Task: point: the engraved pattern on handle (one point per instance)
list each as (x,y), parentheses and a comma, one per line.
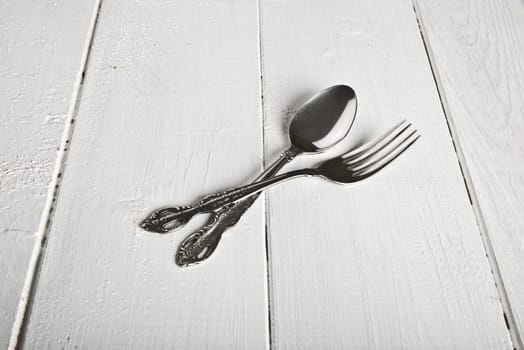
(200,245)
(168,219)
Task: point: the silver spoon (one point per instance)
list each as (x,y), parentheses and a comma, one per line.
(322,122)
(353,166)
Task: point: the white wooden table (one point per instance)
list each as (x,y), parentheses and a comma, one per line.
(111,108)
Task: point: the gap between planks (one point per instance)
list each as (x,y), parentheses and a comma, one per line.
(263,160)
(508,314)
(31,279)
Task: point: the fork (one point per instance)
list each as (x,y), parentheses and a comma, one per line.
(351,167)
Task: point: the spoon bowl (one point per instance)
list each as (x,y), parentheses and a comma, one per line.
(324,120)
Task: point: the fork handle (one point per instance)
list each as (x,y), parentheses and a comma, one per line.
(216,201)
(172,218)
(199,245)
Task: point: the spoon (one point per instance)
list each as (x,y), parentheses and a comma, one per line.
(322,122)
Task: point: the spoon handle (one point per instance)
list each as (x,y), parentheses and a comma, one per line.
(199,245)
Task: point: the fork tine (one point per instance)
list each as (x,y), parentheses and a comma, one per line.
(379,164)
(378,148)
(380,153)
(365,148)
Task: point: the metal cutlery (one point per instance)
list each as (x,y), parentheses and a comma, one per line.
(351,167)
(326,108)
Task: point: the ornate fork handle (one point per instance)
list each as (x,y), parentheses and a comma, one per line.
(201,244)
(168,219)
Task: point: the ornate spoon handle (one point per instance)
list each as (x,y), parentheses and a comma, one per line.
(201,244)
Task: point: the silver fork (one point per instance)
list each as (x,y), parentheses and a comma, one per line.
(350,167)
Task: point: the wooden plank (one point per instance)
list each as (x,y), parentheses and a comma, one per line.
(398,261)
(41,56)
(170,110)
(484,102)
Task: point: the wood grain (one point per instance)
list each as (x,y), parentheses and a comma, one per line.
(170,110)
(397,261)
(477,48)
(41,56)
